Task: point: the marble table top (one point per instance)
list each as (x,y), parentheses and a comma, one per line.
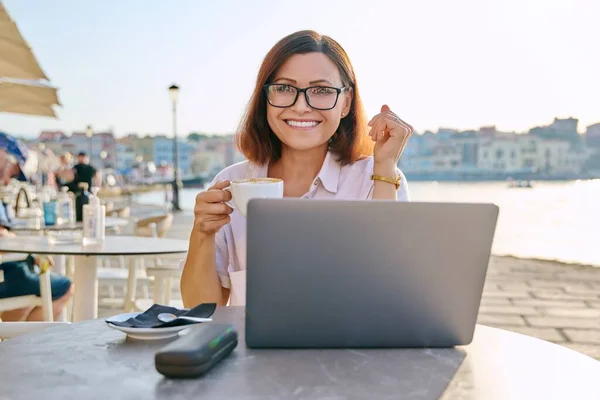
(89,360)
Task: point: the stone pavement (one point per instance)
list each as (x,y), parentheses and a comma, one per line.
(549,300)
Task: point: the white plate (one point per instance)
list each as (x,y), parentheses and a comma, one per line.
(145,333)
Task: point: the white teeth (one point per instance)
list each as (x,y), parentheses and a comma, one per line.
(302,124)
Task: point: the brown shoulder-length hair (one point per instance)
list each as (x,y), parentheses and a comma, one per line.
(255,138)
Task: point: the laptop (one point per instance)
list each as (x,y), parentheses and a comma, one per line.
(365,274)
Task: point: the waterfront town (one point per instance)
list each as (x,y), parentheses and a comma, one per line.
(556,151)
(106,270)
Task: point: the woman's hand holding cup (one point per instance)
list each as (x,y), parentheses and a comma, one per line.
(211,211)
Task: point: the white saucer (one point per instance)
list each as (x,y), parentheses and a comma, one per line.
(145,333)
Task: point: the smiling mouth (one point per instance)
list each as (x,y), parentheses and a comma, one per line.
(302,124)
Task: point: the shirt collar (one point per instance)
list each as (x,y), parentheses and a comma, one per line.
(329,175)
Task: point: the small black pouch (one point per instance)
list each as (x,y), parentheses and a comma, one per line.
(149,318)
(195,353)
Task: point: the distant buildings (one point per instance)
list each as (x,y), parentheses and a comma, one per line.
(592,140)
(126,156)
(592,136)
(552,151)
(107,152)
(560,129)
(529,154)
(58,142)
(545,152)
(159,149)
(213,153)
(101,147)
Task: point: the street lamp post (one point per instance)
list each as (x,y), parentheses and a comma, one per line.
(174,92)
(89,133)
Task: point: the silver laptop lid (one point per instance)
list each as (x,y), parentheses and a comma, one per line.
(330,273)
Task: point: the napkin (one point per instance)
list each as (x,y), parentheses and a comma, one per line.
(149,318)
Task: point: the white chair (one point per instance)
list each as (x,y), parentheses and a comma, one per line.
(151,227)
(154,226)
(162,273)
(60,267)
(162,290)
(44,301)
(120,212)
(12,329)
(135,272)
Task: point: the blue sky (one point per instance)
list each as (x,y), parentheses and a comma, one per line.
(460,63)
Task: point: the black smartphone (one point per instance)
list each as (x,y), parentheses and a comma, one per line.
(195,353)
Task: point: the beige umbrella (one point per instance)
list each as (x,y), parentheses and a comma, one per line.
(30,109)
(16,57)
(27,98)
(23,88)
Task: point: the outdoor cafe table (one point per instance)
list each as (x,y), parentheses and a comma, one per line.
(85,305)
(29,225)
(88,360)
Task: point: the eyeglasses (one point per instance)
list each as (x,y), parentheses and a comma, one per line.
(317,97)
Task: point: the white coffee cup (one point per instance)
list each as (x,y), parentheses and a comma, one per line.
(243,190)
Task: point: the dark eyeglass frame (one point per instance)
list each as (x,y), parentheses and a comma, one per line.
(298,91)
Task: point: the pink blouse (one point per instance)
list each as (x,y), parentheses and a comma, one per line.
(333,182)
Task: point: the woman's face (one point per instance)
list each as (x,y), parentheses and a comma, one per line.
(300,126)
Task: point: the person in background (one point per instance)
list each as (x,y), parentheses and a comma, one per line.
(84,172)
(65,173)
(305,124)
(20,278)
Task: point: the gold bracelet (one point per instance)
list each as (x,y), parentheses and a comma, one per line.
(395,182)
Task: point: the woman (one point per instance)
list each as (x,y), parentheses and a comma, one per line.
(305,124)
